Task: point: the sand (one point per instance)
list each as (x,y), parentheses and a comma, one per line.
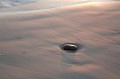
(29,42)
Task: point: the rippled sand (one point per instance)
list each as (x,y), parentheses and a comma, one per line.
(29,42)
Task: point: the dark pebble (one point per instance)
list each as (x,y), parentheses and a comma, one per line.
(70,47)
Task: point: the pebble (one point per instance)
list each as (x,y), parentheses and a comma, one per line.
(70,47)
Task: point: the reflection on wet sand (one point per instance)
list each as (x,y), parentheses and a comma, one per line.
(40,33)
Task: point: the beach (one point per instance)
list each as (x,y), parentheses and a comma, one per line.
(30,40)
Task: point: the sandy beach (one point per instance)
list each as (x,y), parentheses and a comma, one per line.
(29,42)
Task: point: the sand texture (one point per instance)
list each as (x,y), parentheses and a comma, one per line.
(29,43)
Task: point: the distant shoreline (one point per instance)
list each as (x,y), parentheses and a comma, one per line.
(55,7)
(30,7)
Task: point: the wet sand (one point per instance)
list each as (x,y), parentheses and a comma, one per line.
(29,43)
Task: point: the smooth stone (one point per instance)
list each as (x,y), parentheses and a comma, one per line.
(70,47)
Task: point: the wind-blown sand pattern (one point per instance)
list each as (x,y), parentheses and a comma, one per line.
(29,42)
